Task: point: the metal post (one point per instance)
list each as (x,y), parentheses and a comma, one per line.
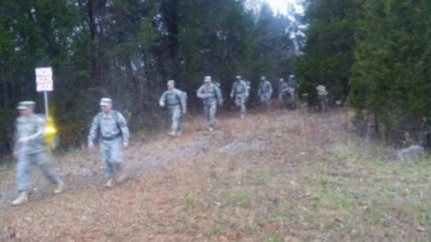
(45,95)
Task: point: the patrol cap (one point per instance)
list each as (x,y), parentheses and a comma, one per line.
(171,82)
(238,76)
(25,105)
(207,78)
(105,101)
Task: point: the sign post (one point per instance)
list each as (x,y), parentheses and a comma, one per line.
(45,84)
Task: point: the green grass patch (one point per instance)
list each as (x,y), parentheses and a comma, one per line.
(336,201)
(190,201)
(274,238)
(239,198)
(260,177)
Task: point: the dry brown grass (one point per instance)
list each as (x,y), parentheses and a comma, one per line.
(301,177)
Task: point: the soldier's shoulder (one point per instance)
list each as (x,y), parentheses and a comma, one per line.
(19,119)
(38,117)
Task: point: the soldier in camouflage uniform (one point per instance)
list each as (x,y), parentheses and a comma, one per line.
(282,91)
(240,93)
(110,127)
(264,92)
(211,97)
(30,149)
(174,100)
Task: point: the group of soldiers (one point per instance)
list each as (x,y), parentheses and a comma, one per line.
(110,128)
(175,100)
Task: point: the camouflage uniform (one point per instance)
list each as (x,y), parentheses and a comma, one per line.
(264,92)
(240,93)
(282,90)
(211,96)
(112,131)
(174,102)
(30,149)
(32,153)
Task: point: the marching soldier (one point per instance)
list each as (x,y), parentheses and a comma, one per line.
(264,92)
(31,150)
(110,127)
(211,97)
(174,100)
(240,93)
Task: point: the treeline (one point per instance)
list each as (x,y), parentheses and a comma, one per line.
(377,54)
(127,49)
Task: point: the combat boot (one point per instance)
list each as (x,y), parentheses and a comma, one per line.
(110,183)
(22,198)
(60,187)
(172,133)
(122,175)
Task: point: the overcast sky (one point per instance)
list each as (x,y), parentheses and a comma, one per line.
(281,6)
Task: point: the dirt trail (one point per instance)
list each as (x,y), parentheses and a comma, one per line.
(169,177)
(83,169)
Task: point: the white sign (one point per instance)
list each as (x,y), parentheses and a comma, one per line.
(44,82)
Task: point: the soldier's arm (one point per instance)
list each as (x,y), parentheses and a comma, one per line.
(245,88)
(122,123)
(270,88)
(162,100)
(182,100)
(92,135)
(15,139)
(259,90)
(219,96)
(232,92)
(40,130)
(199,93)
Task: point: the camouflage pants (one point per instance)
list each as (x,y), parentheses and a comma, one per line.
(112,154)
(175,112)
(240,102)
(210,110)
(25,165)
(265,99)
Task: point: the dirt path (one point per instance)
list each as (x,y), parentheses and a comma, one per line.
(84,170)
(274,176)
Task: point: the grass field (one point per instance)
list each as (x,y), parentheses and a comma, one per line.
(275,176)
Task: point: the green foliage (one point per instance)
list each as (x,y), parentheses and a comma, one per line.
(328,54)
(128,49)
(390,76)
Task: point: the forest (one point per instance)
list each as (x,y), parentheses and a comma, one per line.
(376,56)
(127,50)
(372,55)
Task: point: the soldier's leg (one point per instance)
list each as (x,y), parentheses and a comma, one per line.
(207,111)
(212,114)
(262,100)
(105,155)
(43,161)
(267,100)
(23,169)
(243,108)
(176,119)
(281,100)
(116,156)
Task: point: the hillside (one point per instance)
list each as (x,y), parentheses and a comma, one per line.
(273,176)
